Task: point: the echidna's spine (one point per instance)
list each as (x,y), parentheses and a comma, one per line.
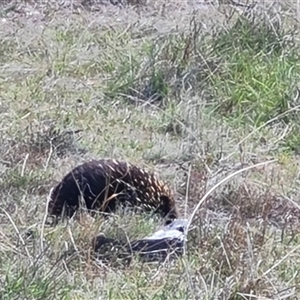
(104,184)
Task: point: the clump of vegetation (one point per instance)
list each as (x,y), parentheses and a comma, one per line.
(259,70)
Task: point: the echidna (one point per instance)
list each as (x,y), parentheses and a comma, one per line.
(104,184)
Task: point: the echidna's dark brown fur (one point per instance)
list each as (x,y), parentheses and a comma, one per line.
(105,184)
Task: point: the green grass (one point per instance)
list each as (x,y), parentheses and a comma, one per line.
(185,96)
(261,67)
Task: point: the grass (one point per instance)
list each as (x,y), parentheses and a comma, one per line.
(193,97)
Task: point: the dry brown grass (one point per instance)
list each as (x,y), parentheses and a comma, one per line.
(139,83)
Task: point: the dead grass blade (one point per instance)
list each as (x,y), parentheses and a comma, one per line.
(296,108)
(17,231)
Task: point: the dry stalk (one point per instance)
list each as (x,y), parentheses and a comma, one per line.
(17,231)
(44,220)
(217,185)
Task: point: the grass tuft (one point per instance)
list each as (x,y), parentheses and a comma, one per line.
(259,70)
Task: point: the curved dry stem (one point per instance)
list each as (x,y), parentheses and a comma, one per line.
(220,183)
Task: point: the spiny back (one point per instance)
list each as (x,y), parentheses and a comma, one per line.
(104,184)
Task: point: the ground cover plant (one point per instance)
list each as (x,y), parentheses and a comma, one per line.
(193,91)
